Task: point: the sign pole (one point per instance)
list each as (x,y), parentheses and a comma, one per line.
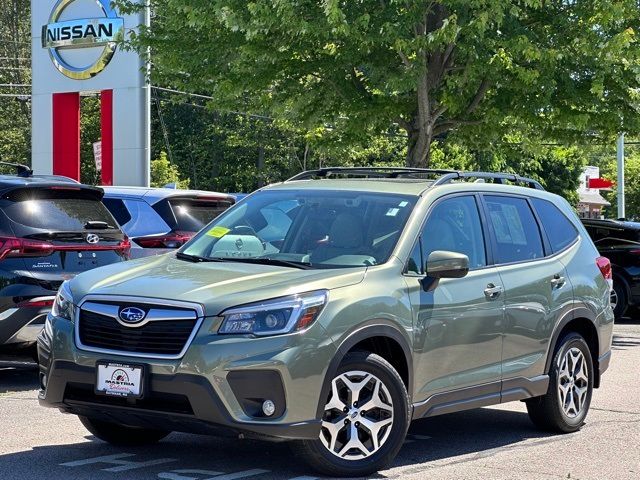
(620,155)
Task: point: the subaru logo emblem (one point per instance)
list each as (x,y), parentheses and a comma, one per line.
(93,238)
(132,315)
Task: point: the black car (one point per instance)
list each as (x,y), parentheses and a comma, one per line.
(619,241)
(51,228)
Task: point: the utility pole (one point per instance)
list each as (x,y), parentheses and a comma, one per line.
(620,155)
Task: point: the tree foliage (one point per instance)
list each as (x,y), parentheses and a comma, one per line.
(15,71)
(482,68)
(164,173)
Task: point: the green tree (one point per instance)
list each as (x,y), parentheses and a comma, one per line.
(606,160)
(15,72)
(164,173)
(554,69)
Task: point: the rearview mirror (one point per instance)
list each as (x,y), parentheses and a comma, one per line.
(442,264)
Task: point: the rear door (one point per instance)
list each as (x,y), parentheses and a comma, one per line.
(56,232)
(537,289)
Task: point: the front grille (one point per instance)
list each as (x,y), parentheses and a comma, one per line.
(167,337)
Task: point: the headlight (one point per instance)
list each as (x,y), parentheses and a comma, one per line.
(63,304)
(274,317)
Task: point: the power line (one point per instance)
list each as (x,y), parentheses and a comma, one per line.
(206,97)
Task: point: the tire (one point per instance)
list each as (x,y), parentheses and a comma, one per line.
(122,435)
(621,298)
(571,363)
(381,385)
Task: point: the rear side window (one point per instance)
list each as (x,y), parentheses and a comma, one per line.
(516,230)
(192,215)
(57,212)
(560,231)
(118,209)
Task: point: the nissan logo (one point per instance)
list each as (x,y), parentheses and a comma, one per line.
(132,315)
(105,30)
(92,238)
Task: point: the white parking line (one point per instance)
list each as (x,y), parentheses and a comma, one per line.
(181,474)
(115,459)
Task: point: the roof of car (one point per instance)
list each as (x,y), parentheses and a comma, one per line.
(153,195)
(407,181)
(603,222)
(13,182)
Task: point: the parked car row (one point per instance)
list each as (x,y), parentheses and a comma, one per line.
(52,228)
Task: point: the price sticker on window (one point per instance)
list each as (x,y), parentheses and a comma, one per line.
(218,232)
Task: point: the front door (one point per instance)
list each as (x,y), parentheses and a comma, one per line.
(458,321)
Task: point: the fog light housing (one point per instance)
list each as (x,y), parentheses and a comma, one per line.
(268,408)
(43,381)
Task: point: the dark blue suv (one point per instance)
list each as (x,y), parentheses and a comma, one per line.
(51,228)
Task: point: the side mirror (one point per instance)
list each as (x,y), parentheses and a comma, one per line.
(441,264)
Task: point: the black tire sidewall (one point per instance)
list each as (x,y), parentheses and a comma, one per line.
(376,365)
(620,288)
(573,340)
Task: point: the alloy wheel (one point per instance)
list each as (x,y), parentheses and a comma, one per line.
(614,298)
(358,417)
(573,382)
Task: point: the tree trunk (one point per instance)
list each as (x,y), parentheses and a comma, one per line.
(419,147)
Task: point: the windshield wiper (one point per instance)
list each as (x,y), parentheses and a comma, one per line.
(192,258)
(97,225)
(265,261)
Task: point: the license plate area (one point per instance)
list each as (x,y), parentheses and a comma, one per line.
(119,380)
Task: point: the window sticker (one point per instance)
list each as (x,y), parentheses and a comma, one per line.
(403,204)
(218,232)
(392,212)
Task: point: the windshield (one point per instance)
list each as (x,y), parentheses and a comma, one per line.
(323,229)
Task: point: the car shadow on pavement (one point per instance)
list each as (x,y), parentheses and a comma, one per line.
(477,432)
(18,376)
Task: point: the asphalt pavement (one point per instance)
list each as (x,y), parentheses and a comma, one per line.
(488,443)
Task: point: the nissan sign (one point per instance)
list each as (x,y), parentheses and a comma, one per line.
(102,31)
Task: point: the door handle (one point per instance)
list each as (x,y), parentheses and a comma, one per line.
(493,291)
(558,281)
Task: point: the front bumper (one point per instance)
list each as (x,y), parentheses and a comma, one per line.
(215,388)
(19,327)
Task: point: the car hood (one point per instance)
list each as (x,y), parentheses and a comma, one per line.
(216,286)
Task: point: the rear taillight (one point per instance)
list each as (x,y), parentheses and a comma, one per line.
(170,240)
(39,302)
(605,268)
(24,247)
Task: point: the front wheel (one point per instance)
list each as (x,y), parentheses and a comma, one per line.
(365,419)
(566,403)
(122,435)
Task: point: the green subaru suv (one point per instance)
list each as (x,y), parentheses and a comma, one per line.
(333,309)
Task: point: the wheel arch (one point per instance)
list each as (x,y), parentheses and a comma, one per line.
(381,337)
(580,320)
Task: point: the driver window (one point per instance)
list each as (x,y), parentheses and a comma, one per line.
(454,225)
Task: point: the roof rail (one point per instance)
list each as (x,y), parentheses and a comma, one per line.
(374,172)
(21,170)
(443,176)
(495,176)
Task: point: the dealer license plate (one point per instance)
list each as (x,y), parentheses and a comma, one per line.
(119,380)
